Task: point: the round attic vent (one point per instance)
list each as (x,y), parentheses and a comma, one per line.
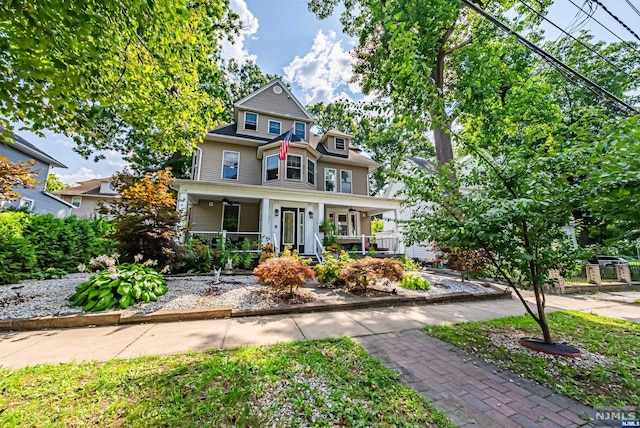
(277,89)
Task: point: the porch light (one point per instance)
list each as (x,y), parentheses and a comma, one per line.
(276,212)
(310,214)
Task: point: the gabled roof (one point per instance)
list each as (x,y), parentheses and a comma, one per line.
(232,131)
(333,132)
(278,81)
(29,149)
(88,187)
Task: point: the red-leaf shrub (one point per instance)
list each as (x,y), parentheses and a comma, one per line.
(360,272)
(283,273)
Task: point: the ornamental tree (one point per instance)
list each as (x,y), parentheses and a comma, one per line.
(14,175)
(145,218)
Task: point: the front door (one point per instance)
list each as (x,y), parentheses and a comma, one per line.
(292,229)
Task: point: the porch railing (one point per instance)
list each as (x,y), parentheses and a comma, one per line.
(364,244)
(235,238)
(318,249)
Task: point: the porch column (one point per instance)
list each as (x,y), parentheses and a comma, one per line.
(182,204)
(320,212)
(265,229)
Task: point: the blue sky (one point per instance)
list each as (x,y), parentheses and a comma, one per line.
(284,38)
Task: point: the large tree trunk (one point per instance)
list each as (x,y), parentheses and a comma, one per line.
(442,141)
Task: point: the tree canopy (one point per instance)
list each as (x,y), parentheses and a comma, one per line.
(96,70)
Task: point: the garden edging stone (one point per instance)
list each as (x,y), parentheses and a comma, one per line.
(121,317)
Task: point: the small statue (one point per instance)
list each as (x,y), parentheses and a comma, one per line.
(216,275)
(229,266)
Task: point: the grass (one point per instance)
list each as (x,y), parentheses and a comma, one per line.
(320,383)
(614,383)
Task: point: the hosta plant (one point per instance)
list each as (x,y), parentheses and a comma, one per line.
(414,281)
(118,285)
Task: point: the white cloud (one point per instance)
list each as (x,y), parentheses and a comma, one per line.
(236,50)
(324,70)
(83,174)
(114,160)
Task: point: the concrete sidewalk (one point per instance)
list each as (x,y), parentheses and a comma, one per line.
(470,391)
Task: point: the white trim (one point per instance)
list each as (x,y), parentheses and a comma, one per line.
(315,171)
(266,171)
(269,127)
(350,181)
(286,167)
(25,201)
(224,152)
(79,204)
(245,121)
(305,129)
(335,190)
(197,156)
(224,207)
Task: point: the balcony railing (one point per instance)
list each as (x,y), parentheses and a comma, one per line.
(367,244)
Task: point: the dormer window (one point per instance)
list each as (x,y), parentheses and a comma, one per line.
(300,130)
(340,144)
(251,121)
(275,127)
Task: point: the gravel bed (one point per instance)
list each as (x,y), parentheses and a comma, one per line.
(39,298)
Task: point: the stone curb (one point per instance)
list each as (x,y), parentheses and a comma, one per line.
(120,317)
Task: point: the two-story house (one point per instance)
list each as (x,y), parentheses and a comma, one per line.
(86,196)
(36,200)
(239,184)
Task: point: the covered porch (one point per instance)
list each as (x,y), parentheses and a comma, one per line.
(284,217)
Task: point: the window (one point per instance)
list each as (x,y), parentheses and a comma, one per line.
(342,225)
(294,167)
(300,130)
(230,217)
(274,127)
(76,201)
(272,166)
(330,180)
(345,181)
(340,144)
(26,204)
(230,162)
(250,121)
(195,164)
(311,172)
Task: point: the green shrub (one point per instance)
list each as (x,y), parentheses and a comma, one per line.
(17,260)
(121,285)
(410,264)
(328,272)
(413,281)
(13,223)
(194,257)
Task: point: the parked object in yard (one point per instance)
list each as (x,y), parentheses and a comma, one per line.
(610,261)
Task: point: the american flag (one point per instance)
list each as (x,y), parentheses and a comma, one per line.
(284,148)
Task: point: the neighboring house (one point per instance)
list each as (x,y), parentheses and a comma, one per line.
(87,194)
(239,185)
(393,220)
(36,200)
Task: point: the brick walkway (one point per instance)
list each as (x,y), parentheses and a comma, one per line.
(470,391)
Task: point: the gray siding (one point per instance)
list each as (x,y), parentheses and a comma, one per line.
(269,101)
(359,176)
(42,203)
(211,169)
(88,206)
(209,219)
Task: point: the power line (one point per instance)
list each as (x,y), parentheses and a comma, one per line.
(624,106)
(632,6)
(577,40)
(590,15)
(598,2)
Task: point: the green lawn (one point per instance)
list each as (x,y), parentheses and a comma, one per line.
(319,383)
(610,378)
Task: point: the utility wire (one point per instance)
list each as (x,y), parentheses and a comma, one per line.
(632,6)
(624,106)
(590,15)
(598,2)
(577,40)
